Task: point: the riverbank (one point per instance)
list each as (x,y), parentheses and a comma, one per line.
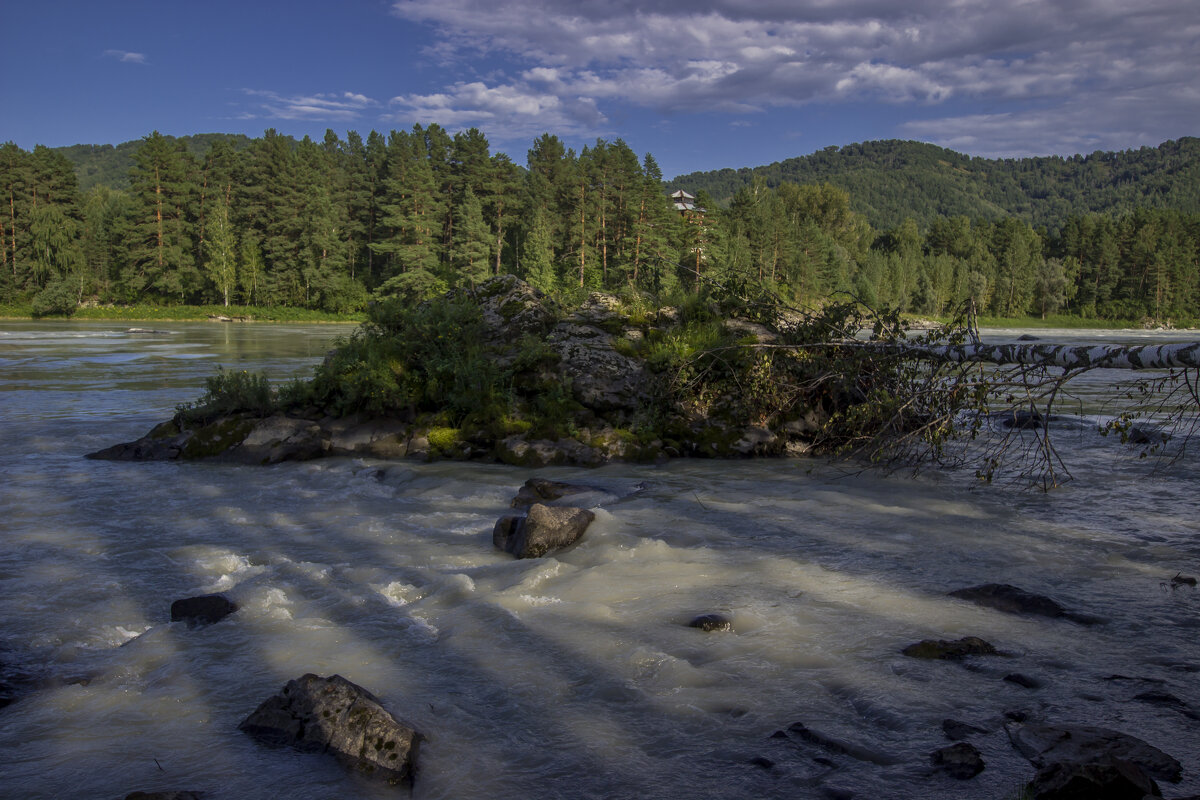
(155,313)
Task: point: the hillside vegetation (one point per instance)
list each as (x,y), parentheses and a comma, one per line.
(890,181)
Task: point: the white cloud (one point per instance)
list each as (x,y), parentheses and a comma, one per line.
(342,107)
(126,57)
(755,55)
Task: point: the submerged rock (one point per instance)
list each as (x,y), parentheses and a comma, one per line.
(961,761)
(956,730)
(711,622)
(331,715)
(950,650)
(177,795)
(1012,600)
(1044,745)
(547,492)
(203,610)
(542,530)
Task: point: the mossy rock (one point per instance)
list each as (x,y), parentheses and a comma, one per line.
(445,441)
(212,440)
(165,430)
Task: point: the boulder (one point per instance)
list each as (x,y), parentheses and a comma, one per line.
(1012,600)
(1110,779)
(203,610)
(600,378)
(1044,745)
(711,622)
(950,650)
(331,715)
(511,309)
(542,530)
(961,761)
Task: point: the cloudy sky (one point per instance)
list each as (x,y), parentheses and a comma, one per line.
(701,84)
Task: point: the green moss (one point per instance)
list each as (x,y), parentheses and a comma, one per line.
(165,430)
(444,440)
(214,439)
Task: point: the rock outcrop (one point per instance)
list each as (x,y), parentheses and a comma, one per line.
(332,715)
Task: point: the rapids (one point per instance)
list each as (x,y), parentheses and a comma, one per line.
(569,676)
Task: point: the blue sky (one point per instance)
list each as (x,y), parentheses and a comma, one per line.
(701,84)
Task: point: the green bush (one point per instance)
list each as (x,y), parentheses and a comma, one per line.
(228,393)
(57,299)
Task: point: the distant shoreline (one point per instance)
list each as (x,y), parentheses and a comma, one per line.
(183,314)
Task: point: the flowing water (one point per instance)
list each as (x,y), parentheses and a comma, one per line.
(569,676)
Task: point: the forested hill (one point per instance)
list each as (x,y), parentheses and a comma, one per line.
(109,165)
(892,180)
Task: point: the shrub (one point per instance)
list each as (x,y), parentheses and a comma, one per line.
(228,393)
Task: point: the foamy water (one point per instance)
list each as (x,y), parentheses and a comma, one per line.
(569,676)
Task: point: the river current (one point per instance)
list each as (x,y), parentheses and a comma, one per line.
(569,676)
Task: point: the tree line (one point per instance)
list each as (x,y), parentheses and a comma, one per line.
(274,221)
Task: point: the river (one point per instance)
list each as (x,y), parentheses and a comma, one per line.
(569,676)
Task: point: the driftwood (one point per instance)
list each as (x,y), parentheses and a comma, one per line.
(1149,356)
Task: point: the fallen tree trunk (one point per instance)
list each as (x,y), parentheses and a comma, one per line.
(1163,356)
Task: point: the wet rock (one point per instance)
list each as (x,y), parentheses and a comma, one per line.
(203,610)
(961,761)
(165,796)
(1110,779)
(711,622)
(542,530)
(1028,337)
(1024,420)
(1044,745)
(279,438)
(1012,600)
(522,452)
(331,715)
(1181,580)
(801,732)
(547,492)
(1023,680)
(950,650)
(759,761)
(1146,435)
(956,730)
(1166,700)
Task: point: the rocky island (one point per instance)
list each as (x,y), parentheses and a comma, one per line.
(503,373)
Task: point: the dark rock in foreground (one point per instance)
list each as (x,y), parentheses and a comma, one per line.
(950,650)
(961,761)
(332,715)
(203,610)
(1012,600)
(956,730)
(1044,745)
(1110,779)
(542,530)
(711,622)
